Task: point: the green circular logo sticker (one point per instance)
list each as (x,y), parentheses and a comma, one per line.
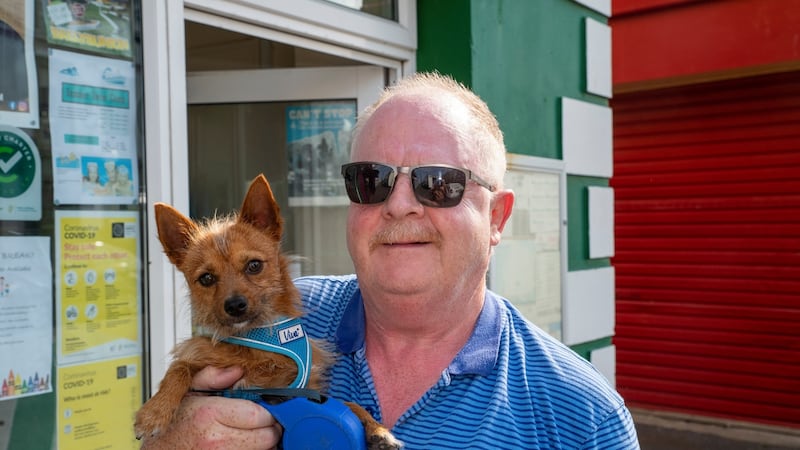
(17,164)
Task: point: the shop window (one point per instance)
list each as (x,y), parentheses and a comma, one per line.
(72,238)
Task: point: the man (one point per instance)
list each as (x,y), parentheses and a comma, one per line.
(424,346)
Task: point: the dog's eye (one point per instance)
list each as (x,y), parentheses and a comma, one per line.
(207,279)
(253,267)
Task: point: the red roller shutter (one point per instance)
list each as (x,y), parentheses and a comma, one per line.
(707,186)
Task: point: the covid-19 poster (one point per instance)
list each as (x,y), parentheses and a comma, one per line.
(98,327)
(98,293)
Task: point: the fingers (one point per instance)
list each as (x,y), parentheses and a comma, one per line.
(232,423)
(239,414)
(217,422)
(217,378)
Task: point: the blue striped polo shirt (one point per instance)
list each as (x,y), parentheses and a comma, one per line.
(511,386)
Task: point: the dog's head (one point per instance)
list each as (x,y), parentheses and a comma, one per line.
(237,275)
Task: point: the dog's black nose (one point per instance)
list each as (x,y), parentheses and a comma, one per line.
(236,306)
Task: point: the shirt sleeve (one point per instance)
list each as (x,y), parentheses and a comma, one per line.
(616,432)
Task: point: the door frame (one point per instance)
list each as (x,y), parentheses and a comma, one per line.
(311,24)
(364,83)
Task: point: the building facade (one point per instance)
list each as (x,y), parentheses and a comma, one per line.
(706,163)
(113,105)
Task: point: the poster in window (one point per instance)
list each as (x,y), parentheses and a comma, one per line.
(20,176)
(318,143)
(26,310)
(97,402)
(19,94)
(93,129)
(98,26)
(98,279)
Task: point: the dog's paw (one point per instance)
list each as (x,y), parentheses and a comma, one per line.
(144,431)
(150,421)
(382,439)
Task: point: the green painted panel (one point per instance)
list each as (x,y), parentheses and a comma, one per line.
(526,56)
(443,38)
(520,56)
(34,423)
(585,349)
(578,223)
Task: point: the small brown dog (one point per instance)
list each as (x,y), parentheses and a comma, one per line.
(238,281)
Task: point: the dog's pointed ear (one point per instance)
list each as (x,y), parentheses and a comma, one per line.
(260,208)
(174,231)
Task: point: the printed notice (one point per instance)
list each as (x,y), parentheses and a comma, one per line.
(26,311)
(93,129)
(97,403)
(97,26)
(98,297)
(20,176)
(318,143)
(19,92)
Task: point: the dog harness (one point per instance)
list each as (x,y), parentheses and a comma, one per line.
(286,337)
(309,419)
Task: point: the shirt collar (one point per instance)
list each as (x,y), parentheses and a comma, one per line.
(478,356)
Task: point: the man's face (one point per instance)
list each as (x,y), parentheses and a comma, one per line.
(401,246)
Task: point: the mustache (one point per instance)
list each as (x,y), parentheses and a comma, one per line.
(404,233)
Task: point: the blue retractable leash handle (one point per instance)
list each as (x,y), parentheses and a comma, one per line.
(310,421)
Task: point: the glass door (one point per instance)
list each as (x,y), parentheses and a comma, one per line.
(293,125)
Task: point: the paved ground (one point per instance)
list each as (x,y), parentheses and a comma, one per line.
(664,431)
(659,438)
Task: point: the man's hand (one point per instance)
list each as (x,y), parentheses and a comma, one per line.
(205,422)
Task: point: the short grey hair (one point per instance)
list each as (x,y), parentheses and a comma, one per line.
(484,129)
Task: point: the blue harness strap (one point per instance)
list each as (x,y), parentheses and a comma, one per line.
(285,337)
(309,420)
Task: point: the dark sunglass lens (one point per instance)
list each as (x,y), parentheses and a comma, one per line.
(367,183)
(440,187)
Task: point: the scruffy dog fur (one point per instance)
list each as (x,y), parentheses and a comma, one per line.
(238,280)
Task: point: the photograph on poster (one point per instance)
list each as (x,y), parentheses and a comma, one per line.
(106,176)
(93,129)
(99,26)
(318,143)
(19,95)
(26,311)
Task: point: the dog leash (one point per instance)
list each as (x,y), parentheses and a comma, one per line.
(266,394)
(309,420)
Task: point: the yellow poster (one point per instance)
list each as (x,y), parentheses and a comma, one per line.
(98,301)
(97,403)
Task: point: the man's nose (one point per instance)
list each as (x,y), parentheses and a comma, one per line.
(402,199)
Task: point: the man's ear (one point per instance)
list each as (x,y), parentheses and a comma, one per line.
(502,204)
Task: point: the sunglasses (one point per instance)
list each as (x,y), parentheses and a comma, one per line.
(438,186)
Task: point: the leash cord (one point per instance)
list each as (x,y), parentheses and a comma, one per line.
(270,395)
